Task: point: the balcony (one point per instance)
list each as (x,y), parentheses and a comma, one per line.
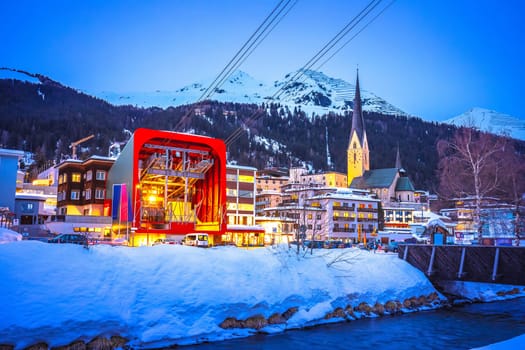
(343,229)
(366,220)
(342,218)
(339,207)
(366,210)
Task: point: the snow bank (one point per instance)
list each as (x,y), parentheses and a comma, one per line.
(484,292)
(513,343)
(173,294)
(8,236)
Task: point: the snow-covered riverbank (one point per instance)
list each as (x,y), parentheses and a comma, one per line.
(171,294)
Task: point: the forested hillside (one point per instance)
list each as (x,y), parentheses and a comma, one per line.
(46,118)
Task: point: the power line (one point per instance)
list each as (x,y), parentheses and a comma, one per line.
(318,56)
(244,52)
(356,34)
(353,37)
(262,31)
(338,37)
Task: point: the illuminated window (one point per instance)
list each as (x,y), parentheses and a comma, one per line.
(231,192)
(75,177)
(246,207)
(247,178)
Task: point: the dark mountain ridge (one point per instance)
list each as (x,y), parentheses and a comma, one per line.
(45,118)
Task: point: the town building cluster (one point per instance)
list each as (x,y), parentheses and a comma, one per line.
(164,185)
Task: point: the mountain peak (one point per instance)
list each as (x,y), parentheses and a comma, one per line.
(490,121)
(311,91)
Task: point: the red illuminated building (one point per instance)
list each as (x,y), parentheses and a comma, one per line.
(168,184)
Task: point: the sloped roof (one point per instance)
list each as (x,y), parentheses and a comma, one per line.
(377,178)
(404,184)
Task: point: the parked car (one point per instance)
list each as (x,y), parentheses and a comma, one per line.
(196,239)
(164,241)
(113,242)
(74,238)
(330,244)
(315,244)
(392,247)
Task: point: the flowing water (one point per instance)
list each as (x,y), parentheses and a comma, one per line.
(461,327)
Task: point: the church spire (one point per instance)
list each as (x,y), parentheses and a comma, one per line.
(398,159)
(358,124)
(357,154)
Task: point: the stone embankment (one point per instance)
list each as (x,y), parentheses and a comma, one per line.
(259,322)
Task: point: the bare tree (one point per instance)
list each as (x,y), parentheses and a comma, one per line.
(471,165)
(514,187)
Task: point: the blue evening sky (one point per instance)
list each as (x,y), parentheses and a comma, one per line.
(431,58)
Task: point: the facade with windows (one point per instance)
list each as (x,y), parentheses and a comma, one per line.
(328,179)
(82,186)
(267,199)
(498,221)
(271,180)
(240,207)
(325,213)
(350,215)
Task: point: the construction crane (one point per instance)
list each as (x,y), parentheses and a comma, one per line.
(74,145)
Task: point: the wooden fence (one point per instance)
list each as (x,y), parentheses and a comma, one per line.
(492,264)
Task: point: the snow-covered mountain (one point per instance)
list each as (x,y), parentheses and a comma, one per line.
(491,121)
(311,91)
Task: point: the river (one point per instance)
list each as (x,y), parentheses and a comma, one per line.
(460,327)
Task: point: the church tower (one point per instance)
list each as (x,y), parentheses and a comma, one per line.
(357,153)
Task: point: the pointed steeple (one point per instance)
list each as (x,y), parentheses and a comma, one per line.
(357,116)
(398,159)
(357,154)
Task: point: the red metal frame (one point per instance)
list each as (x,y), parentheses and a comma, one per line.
(211,189)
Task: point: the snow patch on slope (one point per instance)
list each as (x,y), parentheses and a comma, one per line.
(313,92)
(491,121)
